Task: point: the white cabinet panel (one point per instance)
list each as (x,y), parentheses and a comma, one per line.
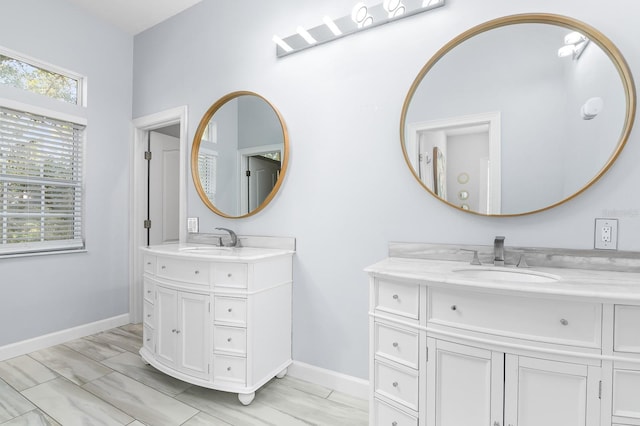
(626,393)
(397,344)
(385,415)
(398,298)
(626,335)
(397,383)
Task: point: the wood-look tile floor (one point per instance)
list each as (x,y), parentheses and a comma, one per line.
(101,380)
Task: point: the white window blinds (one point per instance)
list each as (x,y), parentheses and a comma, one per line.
(41,188)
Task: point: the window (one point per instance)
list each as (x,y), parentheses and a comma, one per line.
(207,167)
(40,183)
(32,76)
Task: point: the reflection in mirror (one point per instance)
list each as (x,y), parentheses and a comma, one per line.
(500,115)
(239,155)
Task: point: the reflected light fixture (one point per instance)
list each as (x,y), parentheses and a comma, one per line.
(362,17)
(574,45)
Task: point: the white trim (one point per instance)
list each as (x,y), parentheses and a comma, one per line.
(137,195)
(51,113)
(354,386)
(41,342)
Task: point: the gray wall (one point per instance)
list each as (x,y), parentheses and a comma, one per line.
(348,191)
(44,294)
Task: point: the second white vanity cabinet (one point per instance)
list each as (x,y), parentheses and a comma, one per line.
(451,351)
(221,321)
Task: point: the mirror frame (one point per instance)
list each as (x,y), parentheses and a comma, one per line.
(594,35)
(195,148)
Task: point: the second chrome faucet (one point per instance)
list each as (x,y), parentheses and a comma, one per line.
(498,251)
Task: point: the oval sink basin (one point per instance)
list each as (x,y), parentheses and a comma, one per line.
(505,274)
(207,249)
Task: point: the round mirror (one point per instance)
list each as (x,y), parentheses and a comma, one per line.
(239,155)
(530,109)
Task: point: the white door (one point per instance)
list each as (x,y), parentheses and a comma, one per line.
(193,333)
(167,318)
(464,385)
(550,393)
(164,189)
(263,175)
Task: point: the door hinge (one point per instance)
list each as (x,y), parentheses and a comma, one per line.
(427,354)
(208,368)
(248,173)
(147,155)
(600,389)
(147,224)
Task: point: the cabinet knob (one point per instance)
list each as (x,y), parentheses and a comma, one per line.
(229,310)
(496,423)
(229,275)
(394,423)
(395,384)
(173,331)
(148,291)
(564,322)
(228,368)
(148,263)
(148,315)
(197,272)
(454,308)
(228,339)
(395,297)
(177,331)
(395,344)
(148,339)
(163,267)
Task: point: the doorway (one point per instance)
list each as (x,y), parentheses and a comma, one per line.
(173,179)
(259,172)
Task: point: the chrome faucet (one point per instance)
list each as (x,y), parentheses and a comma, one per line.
(234,237)
(498,251)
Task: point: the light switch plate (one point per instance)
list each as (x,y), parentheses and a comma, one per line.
(606,234)
(192,225)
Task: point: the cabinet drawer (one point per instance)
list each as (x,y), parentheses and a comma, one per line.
(626,393)
(232,310)
(230,339)
(229,369)
(550,320)
(400,385)
(148,338)
(398,298)
(386,415)
(626,335)
(147,314)
(149,291)
(397,344)
(183,270)
(149,264)
(230,275)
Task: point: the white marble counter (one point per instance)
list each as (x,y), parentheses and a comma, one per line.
(209,252)
(602,285)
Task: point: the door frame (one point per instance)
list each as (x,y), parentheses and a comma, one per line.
(243,153)
(138,200)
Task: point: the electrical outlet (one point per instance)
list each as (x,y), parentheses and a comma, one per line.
(192,225)
(606,234)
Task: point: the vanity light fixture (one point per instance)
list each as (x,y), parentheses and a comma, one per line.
(362,17)
(574,45)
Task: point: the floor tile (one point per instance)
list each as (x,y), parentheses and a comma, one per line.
(24,372)
(32,418)
(12,404)
(307,387)
(133,328)
(71,364)
(131,365)
(348,400)
(71,405)
(140,401)
(120,338)
(225,406)
(204,419)
(97,351)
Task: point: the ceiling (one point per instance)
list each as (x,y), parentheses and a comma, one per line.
(134,16)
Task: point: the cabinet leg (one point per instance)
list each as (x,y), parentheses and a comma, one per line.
(246,398)
(281,374)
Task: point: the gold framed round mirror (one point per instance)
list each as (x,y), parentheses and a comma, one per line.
(532,109)
(239,155)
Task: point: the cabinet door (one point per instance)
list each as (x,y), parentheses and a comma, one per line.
(550,393)
(464,385)
(193,333)
(167,324)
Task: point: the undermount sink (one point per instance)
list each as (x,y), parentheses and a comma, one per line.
(210,249)
(507,274)
(226,252)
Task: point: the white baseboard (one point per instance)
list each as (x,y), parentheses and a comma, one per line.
(41,342)
(349,385)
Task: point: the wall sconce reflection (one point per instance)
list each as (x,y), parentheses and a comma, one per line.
(362,17)
(574,45)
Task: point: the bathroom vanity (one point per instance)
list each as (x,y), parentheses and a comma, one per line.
(458,344)
(218,317)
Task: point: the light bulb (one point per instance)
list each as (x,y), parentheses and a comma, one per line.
(567,50)
(332,26)
(574,38)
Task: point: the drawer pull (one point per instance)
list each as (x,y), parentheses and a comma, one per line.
(177,331)
(173,331)
(148,291)
(395,297)
(163,267)
(564,322)
(454,308)
(148,339)
(148,315)
(197,272)
(228,368)
(496,423)
(395,344)
(228,339)
(229,310)
(395,384)
(148,263)
(229,275)
(394,424)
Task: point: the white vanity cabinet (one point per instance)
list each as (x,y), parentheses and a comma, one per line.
(222,322)
(450,352)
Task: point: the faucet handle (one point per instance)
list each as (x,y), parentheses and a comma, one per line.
(476,259)
(522,262)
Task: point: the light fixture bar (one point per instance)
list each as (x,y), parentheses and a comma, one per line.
(333,29)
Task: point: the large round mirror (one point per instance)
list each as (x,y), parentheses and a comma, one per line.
(239,155)
(518,115)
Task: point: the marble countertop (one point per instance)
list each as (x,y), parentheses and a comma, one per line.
(210,252)
(593,284)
